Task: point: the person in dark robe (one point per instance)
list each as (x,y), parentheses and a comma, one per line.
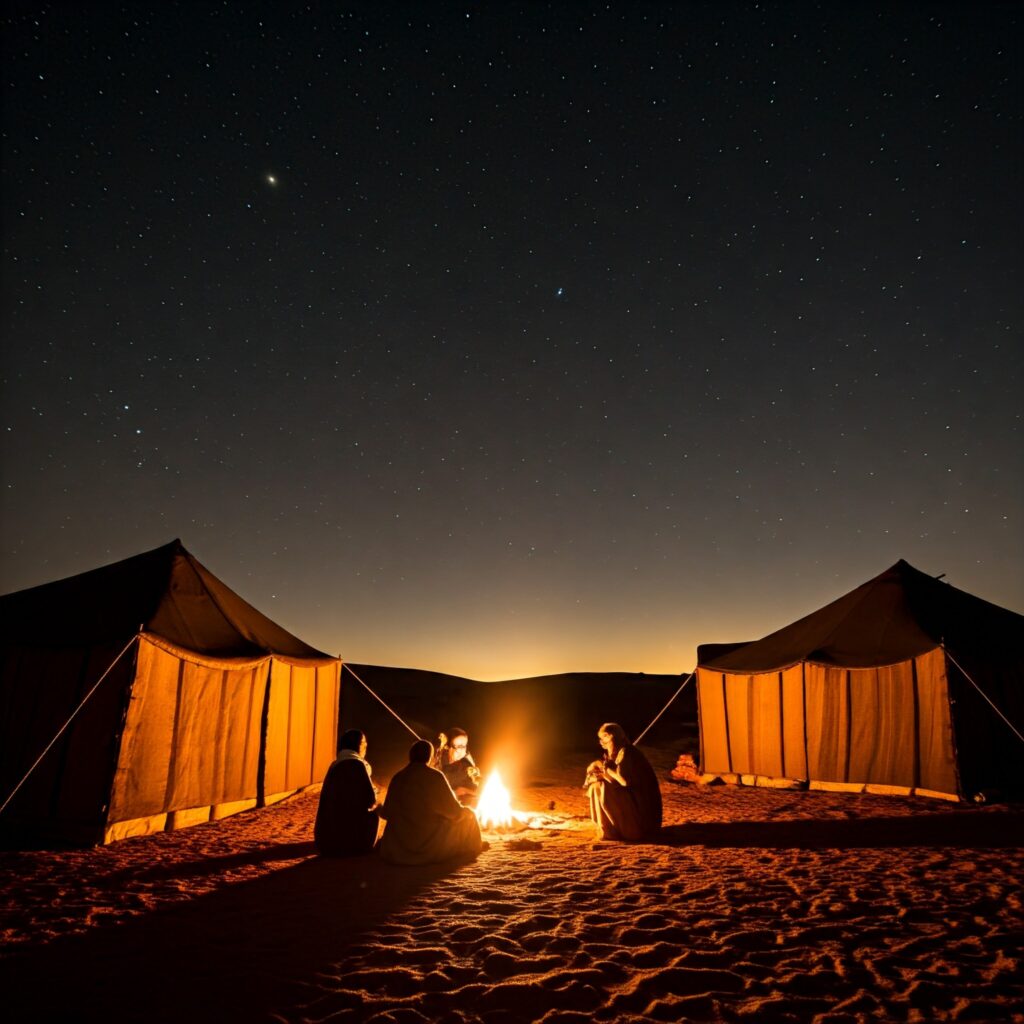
(625,797)
(346,817)
(456,763)
(424,821)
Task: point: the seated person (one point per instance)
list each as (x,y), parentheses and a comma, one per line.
(456,762)
(625,798)
(346,817)
(424,822)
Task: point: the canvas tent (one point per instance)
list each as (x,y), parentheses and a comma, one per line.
(211,708)
(881,690)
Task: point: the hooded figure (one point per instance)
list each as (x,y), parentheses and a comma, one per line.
(425,823)
(346,817)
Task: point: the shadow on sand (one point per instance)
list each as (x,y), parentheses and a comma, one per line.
(235,954)
(991,830)
(209,866)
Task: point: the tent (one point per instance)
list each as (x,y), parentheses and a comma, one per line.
(203,707)
(892,688)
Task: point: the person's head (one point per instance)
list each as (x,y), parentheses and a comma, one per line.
(612,738)
(421,752)
(353,739)
(458,744)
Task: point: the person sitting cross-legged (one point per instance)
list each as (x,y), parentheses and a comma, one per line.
(346,816)
(424,821)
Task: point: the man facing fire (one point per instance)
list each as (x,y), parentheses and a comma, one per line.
(456,763)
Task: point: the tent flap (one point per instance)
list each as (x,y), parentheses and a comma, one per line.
(192,736)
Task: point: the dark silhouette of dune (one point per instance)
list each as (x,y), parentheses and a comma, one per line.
(538,716)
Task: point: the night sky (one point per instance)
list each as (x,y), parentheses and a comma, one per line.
(503,339)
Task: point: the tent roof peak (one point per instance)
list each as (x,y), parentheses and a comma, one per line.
(166,591)
(898,614)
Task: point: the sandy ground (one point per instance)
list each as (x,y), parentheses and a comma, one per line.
(756,905)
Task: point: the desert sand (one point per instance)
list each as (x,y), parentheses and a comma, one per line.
(755,905)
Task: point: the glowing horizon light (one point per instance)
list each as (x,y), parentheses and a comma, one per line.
(494,808)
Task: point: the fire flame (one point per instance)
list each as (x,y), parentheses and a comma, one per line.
(494,808)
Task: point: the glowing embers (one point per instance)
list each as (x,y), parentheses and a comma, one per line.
(494,807)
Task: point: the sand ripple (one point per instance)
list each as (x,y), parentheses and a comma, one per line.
(758,906)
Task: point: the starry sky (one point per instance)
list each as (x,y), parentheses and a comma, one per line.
(503,339)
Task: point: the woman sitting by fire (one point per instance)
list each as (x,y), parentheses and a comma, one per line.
(625,798)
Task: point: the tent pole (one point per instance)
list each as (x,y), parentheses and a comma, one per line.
(63,728)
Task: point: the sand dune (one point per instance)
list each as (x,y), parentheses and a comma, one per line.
(528,719)
(756,905)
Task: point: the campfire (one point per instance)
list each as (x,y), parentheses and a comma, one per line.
(495,814)
(494,808)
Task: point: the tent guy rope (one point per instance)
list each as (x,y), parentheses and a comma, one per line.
(388,708)
(967,676)
(665,708)
(71,718)
(375,697)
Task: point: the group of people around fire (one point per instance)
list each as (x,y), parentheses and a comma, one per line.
(428,810)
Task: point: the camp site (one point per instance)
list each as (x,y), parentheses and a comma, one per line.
(511,513)
(841,836)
